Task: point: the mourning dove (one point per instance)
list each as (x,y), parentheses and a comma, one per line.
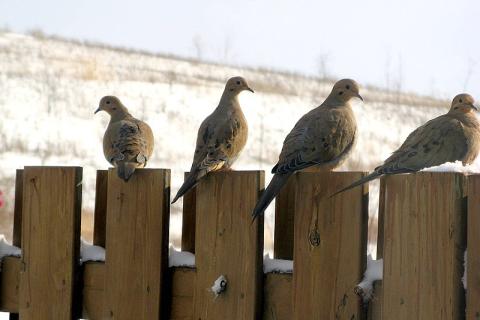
(447,138)
(323,137)
(128,142)
(221,136)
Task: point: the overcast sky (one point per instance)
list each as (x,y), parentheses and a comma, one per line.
(430,46)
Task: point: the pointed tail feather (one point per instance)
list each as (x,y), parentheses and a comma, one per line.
(278,181)
(125,170)
(370,177)
(188,184)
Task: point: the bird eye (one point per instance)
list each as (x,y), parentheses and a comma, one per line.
(460,100)
(455,108)
(238,82)
(340,93)
(108,102)
(348,87)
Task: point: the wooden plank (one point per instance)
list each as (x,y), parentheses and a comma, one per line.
(473,243)
(9,284)
(137,244)
(424,242)
(229,244)
(277,297)
(381,219)
(375,304)
(50,241)
(284,214)
(330,246)
(183,284)
(94,291)
(100,213)
(17,210)
(284,217)
(188,219)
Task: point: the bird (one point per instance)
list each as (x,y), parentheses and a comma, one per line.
(221,136)
(447,138)
(127,142)
(323,137)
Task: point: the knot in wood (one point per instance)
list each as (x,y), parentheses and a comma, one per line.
(314,238)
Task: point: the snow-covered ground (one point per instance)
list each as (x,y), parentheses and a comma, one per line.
(49,89)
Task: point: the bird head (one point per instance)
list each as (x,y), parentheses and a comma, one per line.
(463,103)
(346,89)
(111,105)
(236,85)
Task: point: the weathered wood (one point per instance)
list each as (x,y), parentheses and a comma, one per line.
(188,219)
(284,215)
(473,252)
(375,304)
(94,291)
(17,210)
(9,284)
(100,213)
(183,284)
(381,219)
(50,241)
(330,246)
(137,244)
(277,294)
(228,243)
(424,242)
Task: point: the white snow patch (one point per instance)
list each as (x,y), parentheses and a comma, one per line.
(464,278)
(90,252)
(8,250)
(373,273)
(219,285)
(277,265)
(456,166)
(177,258)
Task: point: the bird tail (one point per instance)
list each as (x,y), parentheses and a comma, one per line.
(359,182)
(274,187)
(125,170)
(188,184)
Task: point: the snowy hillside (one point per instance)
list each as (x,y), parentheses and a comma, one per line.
(49,89)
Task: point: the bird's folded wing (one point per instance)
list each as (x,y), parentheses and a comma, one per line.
(317,138)
(127,139)
(438,141)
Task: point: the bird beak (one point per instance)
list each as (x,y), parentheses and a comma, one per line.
(474,107)
(250,89)
(358,96)
(97,110)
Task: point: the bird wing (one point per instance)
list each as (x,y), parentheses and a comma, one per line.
(218,141)
(438,141)
(319,137)
(128,140)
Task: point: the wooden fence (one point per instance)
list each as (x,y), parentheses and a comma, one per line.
(423,221)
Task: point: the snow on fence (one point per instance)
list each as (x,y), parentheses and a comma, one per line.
(422,238)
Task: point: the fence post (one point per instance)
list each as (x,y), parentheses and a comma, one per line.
(424,243)
(100,213)
(50,242)
(229,244)
(188,219)
(137,244)
(473,244)
(330,246)
(284,215)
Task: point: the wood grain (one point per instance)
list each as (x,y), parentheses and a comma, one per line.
(137,244)
(188,219)
(228,243)
(94,291)
(473,252)
(9,284)
(183,286)
(277,292)
(100,212)
(330,246)
(424,242)
(50,241)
